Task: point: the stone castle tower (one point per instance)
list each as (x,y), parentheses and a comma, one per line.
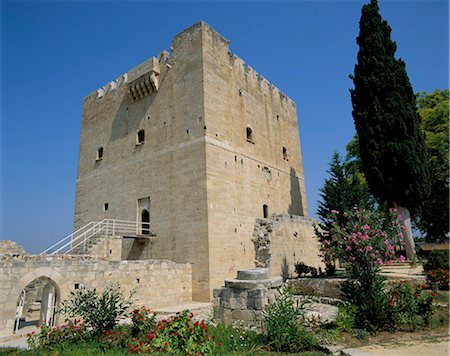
(197,145)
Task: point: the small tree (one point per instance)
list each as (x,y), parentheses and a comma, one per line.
(100,311)
(391,144)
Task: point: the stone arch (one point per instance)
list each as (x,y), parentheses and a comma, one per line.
(9,308)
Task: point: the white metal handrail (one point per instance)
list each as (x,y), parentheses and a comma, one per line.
(105,228)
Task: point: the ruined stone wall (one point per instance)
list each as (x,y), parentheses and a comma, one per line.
(157,283)
(283,240)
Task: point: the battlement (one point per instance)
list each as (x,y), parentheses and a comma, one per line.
(143,80)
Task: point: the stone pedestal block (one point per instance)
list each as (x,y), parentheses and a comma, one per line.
(243,299)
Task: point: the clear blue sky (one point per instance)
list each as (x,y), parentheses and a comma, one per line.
(55,53)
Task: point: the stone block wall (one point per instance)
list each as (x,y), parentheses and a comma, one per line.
(157,283)
(244,298)
(283,240)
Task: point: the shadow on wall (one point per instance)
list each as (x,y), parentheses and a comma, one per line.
(296,206)
(285,269)
(129,116)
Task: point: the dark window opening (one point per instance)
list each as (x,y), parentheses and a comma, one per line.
(105,207)
(249,134)
(265,211)
(137,280)
(145,222)
(77,286)
(285,154)
(140,136)
(99,154)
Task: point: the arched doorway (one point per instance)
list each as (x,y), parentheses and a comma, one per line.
(37,303)
(145,222)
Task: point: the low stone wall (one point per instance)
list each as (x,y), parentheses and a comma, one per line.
(157,283)
(324,287)
(283,240)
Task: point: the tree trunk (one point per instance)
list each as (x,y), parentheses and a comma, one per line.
(407,233)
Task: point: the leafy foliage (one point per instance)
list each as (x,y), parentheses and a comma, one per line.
(434,113)
(391,144)
(176,335)
(436,260)
(410,305)
(283,328)
(236,339)
(49,338)
(100,311)
(364,242)
(344,190)
(142,320)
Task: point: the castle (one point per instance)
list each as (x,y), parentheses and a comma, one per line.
(196,146)
(189,170)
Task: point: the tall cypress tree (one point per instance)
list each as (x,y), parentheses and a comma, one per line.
(391,144)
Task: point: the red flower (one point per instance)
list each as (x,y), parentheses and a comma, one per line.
(219,343)
(107,332)
(196,323)
(166,344)
(423,286)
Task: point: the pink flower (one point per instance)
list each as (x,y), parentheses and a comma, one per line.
(369,248)
(399,217)
(366,227)
(334,212)
(402,258)
(379,261)
(348,248)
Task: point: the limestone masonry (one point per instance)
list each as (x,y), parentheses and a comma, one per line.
(198,144)
(194,159)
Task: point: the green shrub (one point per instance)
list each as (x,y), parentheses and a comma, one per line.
(142,320)
(345,318)
(410,305)
(330,269)
(301,269)
(50,338)
(365,290)
(177,335)
(118,338)
(236,338)
(283,329)
(437,260)
(438,278)
(99,311)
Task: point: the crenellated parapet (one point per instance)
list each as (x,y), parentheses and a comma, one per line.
(254,79)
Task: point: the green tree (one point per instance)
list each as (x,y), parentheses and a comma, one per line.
(434,113)
(344,190)
(391,144)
